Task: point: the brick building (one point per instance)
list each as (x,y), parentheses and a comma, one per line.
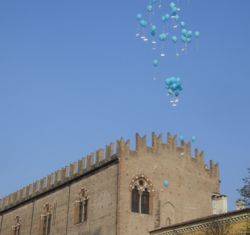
(116,191)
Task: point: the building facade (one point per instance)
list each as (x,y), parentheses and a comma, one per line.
(117,191)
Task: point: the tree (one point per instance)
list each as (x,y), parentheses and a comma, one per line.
(245,190)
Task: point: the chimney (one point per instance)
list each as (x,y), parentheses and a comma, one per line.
(219,204)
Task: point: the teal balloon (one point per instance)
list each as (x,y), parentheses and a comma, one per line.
(184,39)
(177,17)
(197,34)
(183,24)
(174,39)
(163,37)
(189,33)
(172,5)
(167,16)
(139,16)
(155,63)
(165,184)
(184,31)
(181,138)
(153,30)
(193,139)
(143,23)
(149,8)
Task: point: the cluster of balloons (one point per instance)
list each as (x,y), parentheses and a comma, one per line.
(174,88)
(161,26)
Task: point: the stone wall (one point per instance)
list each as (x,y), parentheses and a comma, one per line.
(99,178)
(191,183)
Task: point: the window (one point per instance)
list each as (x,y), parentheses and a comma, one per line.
(135,200)
(145,202)
(17,227)
(81,208)
(141,190)
(46,220)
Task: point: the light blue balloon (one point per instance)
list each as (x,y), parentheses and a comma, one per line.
(172,5)
(183,38)
(184,31)
(149,8)
(193,139)
(174,39)
(197,34)
(177,17)
(165,183)
(181,138)
(189,33)
(143,23)
(153,30)
(183,24)
(139,16)
(163,37)
(155,63)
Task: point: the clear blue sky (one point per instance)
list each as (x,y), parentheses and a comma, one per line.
(74,78)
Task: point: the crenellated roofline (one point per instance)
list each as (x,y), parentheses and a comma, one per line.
(101,158)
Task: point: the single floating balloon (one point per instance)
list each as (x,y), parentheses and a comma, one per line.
(163,37)
(183,24)
(139,16)
(165,184)
(149,8)
(197,34)
(172,5)
(155,63)
(174,39)
(143,23)
(181,138)
(153,30)
(193,139)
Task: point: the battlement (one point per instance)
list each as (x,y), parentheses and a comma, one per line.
(103,157)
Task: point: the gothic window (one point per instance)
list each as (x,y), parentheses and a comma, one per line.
(46,220)
(81,207)
(145,202)
(141,190)
(135,200)
(17,227)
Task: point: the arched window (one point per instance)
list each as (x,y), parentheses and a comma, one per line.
(141,190)
(135,200)
(145,202)
(46,220)
(81,207)
(17,227)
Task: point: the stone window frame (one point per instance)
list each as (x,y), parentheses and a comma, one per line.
(17,227)
(46,220)
(143,184)
(81,207)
